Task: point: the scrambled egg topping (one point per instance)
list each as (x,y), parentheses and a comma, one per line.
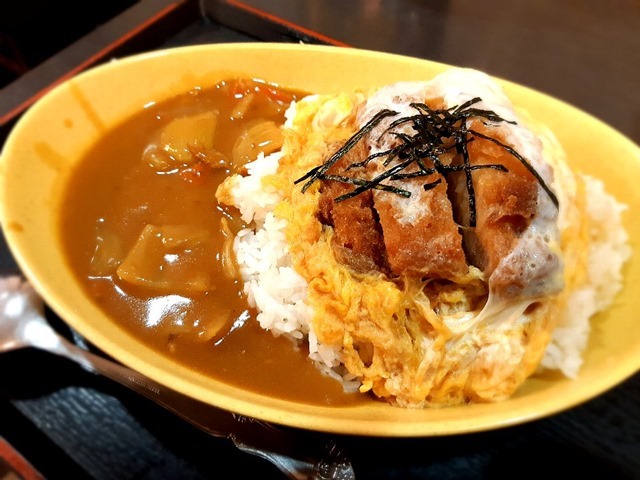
(415,343)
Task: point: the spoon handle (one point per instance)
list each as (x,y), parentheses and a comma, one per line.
(299,455)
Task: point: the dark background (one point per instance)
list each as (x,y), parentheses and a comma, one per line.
(32,31)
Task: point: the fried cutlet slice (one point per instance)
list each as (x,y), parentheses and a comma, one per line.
(357,238)
(420,235)
(506,202)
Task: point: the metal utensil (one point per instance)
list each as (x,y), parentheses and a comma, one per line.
(300,455)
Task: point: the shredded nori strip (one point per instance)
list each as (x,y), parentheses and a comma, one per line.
(462,148)
(360,182)
(318,172)
(435,132)
(524,162)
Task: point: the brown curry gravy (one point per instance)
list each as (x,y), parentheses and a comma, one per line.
(115,190)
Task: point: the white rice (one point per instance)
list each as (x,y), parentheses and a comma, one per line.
(270,282)
(608,251)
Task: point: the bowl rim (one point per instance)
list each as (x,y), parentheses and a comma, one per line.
(384,422)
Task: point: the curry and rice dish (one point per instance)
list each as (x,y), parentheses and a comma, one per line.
(423,243)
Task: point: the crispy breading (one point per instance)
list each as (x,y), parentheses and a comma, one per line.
(357,235)
(506,202)
(424,245)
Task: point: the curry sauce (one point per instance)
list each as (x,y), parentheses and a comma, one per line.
(146,237)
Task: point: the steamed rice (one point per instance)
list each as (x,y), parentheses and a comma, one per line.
(608,252)
(271,284)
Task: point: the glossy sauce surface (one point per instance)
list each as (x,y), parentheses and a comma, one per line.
(146,237)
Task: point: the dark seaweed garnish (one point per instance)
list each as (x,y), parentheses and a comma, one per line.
(318,173)
(435,132)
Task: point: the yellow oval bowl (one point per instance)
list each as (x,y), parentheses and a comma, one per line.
(53,135)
